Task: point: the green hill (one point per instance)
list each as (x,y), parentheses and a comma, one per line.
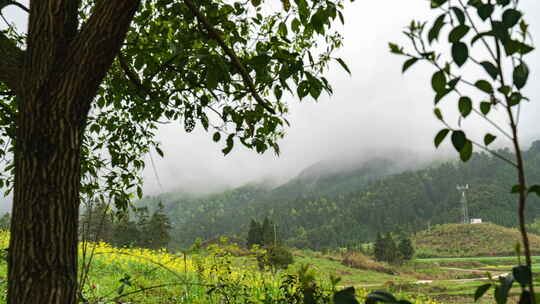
(462,240)
(329,206)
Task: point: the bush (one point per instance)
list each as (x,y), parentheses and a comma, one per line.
(275,257)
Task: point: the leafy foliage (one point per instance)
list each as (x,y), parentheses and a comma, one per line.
(496,27)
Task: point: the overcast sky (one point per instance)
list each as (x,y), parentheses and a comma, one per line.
(375,109)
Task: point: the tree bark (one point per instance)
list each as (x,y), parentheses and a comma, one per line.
(43,248)
(61,70)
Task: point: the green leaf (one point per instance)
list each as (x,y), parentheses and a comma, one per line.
(380,296)
(295,25)
(511,17)
(230,144)
(438,81)
(503,2)
(481,290)
(216,137)
(303,89)
(458,32)
(520,75)
(408,64)
(515,189)
(440,95)
(490,69)
(345,296)
(459,14)
(435,30)
(480,35)
(460,53)
(465,106)
(466,153)
(525,297)
(395,49)
(282,29)
(513,46)
(522,274)
(452,83)
(484,86)
(488,139)
(535,189)
(458,140)
(139,192)
(505,90)
(485,107)
(515,99)
(501,292)
(437,3)
(441,136)
(475,3)
(343,65)
(438,114)
(158,150)
(485,11)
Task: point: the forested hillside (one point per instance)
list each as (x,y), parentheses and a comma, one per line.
(325,208)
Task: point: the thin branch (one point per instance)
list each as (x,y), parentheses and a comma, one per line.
(19,5)
(494,154)
(213,34)
(476,30)
(132,76)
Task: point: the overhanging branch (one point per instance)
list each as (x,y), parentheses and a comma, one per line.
(11,63)
(133,78)
(232,55)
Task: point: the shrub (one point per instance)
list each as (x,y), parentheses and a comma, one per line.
(275,257)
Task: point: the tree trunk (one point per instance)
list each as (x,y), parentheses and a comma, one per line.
(43,246)
(56,80)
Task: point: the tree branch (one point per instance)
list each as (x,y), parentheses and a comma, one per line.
(11,63)
(232,55)
(132,76)
(19,5)
(97,44)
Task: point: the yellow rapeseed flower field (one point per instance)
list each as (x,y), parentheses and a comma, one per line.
(212,275)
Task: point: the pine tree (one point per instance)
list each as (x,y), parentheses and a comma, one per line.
(268,234)
(126,233)
(159,228)
(391,253)
(379,249)
(254,234)
(406,249)
(143,226)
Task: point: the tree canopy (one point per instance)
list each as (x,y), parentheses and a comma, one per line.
(84,90)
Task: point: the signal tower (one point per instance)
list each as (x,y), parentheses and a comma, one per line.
(463,189)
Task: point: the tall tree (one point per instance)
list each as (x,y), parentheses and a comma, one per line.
(268,235)
(158,229)
(126,232)
(254,234)
(405,248)
(83,90)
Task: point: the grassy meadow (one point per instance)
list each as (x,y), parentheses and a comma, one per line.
(217,274)
(225,273)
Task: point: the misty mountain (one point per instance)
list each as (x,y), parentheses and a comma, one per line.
(325,206)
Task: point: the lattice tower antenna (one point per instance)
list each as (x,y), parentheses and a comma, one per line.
(463,189)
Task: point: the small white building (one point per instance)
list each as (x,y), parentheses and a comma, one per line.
(476,221)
